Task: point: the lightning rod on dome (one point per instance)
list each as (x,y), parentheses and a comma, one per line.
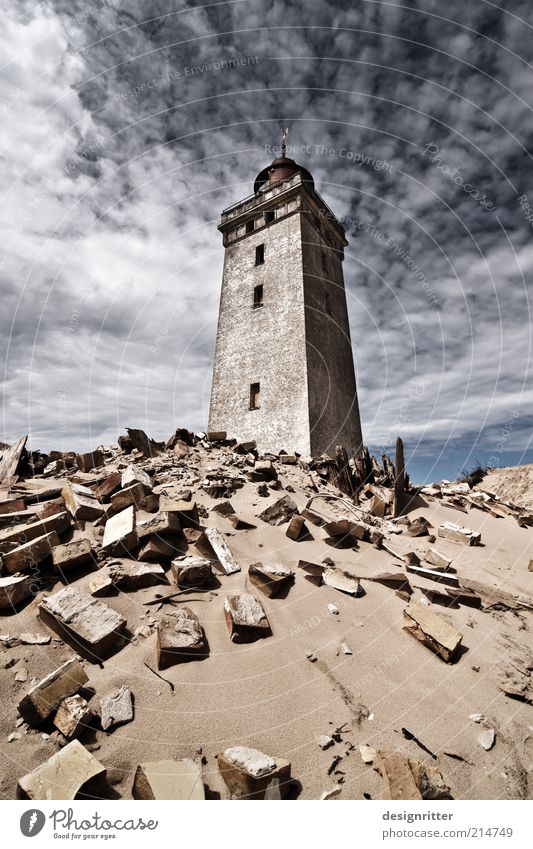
(284,134)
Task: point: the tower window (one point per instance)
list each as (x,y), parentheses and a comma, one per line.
(270,215)
(255,399)
(258,296)
(250,226)
(327,303)
(259,254)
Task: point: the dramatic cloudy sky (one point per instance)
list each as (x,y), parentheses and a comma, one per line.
(124,132)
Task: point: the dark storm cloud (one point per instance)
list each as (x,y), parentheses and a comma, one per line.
(129,125)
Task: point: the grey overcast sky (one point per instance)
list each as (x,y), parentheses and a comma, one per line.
(126,126)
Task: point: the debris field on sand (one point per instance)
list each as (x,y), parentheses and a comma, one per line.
(338,632)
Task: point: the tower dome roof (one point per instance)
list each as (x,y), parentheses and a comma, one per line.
(281,169)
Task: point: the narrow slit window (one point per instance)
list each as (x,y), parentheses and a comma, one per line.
(259,254)
(250,226)
(327,303)
(258,296)
(255,398)
(270,215)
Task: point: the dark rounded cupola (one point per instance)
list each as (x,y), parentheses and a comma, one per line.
(278,171)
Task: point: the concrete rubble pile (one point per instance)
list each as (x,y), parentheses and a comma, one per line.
(155,519)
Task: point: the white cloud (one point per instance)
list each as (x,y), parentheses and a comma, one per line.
(111,259)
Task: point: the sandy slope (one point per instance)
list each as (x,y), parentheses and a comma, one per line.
(513,484)
(270,696)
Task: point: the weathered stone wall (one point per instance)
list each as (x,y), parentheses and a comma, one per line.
(333,406)
(265,345)
(297,345)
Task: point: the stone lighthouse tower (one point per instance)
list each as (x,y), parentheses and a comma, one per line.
(284,372)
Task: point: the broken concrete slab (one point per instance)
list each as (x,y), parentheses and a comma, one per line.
(155,548)
(81,502)
(245,618)
(143,443)
(263,470)
(63,776)
(225,508)
(162,523)
(458,533)
(120,534)
(221,551)
(340,527)
(30,555)
(245,447)
(314,518)
(8,520)
(10,458)
(432,630)
(216,435)
(394,580)
(270,579)
(133,495)
(327,573)
(496,598)
(116,709)
(341,580)
(101,583)
(107,487)
(21,534)
(91,460)
(418,528)
(438,560)
(15,589)
(429,781)
(192,571)
(72,555)
(37,491)
(296,529)
(134,474)
(40,702)
(130,575)
(26,638)
(288,459)
(248,773)
(12,505)
(398,780)
(179,779)
(186,511)
(314,571)
(179,638)
(240,524)
(90,626)
(279,512)
(73,717)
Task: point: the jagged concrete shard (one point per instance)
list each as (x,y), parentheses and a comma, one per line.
(245,618)
(46,696)
(433,631)
(91,627)
(250,773)
(180,638)
(65,775)
(179,779)
(271,579)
